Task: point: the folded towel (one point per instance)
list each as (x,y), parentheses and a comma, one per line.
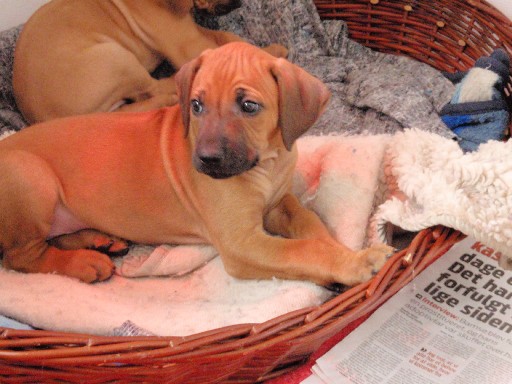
(164,260)
(203,300)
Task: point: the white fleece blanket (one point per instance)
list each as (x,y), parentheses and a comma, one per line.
(358,185)
(430,181)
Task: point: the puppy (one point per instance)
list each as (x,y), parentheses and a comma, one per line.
(216,169)
(82,56)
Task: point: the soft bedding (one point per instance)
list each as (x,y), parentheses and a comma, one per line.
(361,168)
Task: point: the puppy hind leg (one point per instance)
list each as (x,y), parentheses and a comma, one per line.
(156,94)
(122,84)
(39,257)
(133,89)
(91,239)
(28,198)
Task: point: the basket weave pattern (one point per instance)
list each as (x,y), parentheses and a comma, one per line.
(449,35)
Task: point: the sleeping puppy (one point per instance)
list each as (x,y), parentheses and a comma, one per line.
(82,56)
(217,169)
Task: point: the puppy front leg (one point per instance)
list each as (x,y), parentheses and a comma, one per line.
(308,251)
(291,220)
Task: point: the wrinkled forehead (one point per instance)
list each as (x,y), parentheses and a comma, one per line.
(235,67)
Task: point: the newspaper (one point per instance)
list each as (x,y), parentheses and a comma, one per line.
(451,324)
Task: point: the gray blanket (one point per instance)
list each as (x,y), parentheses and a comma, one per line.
(371,92)
(10,118)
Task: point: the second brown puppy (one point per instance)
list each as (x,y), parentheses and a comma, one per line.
(83,56)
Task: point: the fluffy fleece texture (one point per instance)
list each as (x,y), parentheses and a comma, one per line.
(433,182)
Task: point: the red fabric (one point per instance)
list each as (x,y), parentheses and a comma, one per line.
(304,371)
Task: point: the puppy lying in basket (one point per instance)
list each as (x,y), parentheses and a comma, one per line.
(82,56)
(216,169)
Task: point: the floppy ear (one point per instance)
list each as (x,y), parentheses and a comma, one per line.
(302,99)
(184,79)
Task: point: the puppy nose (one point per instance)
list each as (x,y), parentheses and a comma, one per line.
(211,159)
(210,147)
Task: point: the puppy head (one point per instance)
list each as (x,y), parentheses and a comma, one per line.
(238,102)
(216,7)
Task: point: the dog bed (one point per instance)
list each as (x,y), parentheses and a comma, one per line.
(255,352)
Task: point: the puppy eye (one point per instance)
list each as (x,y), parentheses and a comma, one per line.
(250,107)
(197,106)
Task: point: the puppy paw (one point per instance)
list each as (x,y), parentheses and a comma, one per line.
(159,101)
(92,239)
(170,100)
(352,268)
(89,266)
(372,259)
(110,245)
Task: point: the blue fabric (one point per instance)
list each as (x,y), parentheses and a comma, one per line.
(456,121)
(10,323)
(477,122)
(474,129)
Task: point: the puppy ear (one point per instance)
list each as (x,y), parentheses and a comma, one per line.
(302,99)
(184,79)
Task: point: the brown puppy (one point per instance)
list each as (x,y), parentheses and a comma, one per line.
(217,170)
(82,56)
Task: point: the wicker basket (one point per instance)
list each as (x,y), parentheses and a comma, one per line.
(449,35)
